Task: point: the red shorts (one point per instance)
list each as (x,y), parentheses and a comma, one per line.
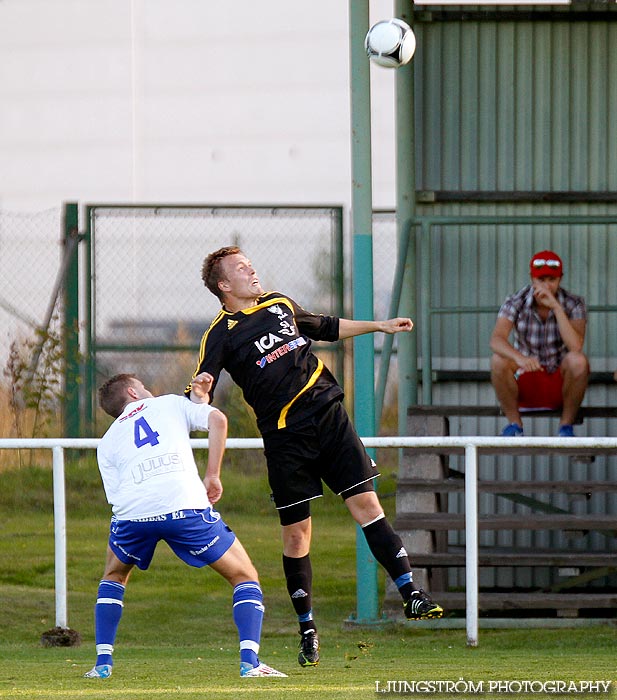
(540,390)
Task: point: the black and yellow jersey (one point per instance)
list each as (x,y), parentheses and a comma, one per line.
(267,351)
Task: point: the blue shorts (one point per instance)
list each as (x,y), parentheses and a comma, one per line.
(198,537)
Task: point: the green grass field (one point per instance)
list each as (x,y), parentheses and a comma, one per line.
(177,637)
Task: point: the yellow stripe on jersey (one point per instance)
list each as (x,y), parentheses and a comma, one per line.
(269,302)
(202,346)
(283,415)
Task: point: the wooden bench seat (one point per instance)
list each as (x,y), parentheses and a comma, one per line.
(549,521)
(426,478)
(495,411)
(452,485)
(528,601)
(514,448)
(493,557)
(479,375)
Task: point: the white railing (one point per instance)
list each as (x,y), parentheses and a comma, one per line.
(469,446)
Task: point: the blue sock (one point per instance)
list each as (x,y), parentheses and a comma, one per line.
(306,617)
(404,583)
(248,615)
(107,614)
(306,622)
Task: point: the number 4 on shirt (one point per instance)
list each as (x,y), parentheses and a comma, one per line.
(144,435)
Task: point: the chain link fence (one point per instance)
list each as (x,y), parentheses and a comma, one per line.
(30,254)
(149,306)
(30,385)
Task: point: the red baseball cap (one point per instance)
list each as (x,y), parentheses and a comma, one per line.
(546,264)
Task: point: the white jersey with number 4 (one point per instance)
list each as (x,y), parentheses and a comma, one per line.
(146,461)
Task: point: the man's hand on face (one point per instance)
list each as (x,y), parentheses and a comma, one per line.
(544,293)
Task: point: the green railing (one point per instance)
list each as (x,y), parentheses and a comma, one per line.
(422,227)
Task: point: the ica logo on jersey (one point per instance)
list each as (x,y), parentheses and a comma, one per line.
(267,342)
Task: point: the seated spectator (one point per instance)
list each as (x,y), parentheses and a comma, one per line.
(545,367)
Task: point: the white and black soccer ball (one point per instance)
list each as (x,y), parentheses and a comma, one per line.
(390,43)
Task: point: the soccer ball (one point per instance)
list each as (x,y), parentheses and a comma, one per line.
(390,43)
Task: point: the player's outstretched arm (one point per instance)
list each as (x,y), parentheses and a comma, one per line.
(217,434)
(349,328)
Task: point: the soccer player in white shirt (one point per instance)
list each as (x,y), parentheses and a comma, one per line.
(152,483)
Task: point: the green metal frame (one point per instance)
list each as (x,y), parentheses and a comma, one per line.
(405,232)
(92,346)
(427,310)
(70,329)
(368,405)
(367,600)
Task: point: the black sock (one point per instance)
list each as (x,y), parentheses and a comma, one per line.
(387,547)
(299,576)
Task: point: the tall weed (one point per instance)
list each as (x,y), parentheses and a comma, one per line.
(30,396)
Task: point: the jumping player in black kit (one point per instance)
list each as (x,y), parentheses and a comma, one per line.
(264,341)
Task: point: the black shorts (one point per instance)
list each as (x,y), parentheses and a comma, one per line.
(324,448)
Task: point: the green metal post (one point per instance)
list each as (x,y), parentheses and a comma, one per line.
(405,211)
(89,360)
(70,328)
(362,222)
(338,273)
(427,317)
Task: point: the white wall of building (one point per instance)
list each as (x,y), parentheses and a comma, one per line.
(212,101)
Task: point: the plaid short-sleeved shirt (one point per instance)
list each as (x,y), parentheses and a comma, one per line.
(537,338)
